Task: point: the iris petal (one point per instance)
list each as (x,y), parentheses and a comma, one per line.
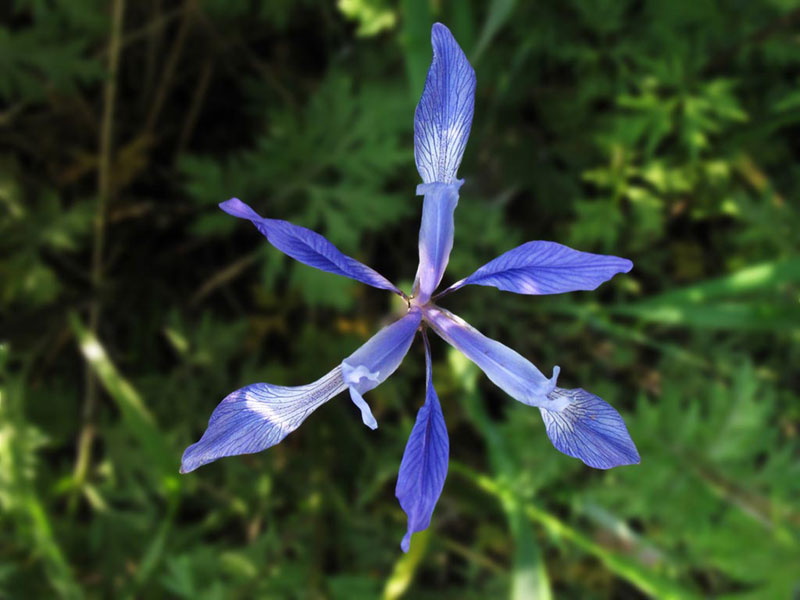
(366,412)
(507,369)
(257,417)
(582,425)
(443,117)
(308,247)
(435,235)
(424,465)
(372,363)
(546,268)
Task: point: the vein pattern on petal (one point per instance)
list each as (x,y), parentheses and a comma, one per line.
(258,416)
(546,268)
(308,247)
(584,426)
(443,117)
(424,465)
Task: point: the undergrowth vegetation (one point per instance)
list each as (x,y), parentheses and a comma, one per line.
(665,132)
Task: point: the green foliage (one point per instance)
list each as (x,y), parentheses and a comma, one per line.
(665,132)
(373,16)
(328,166)
(51,54)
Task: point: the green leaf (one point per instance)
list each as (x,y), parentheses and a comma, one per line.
(704,305)
(498,14)
(416,41)
(137,418)
(372,16)
(529,578)
(20,500)
(405,568)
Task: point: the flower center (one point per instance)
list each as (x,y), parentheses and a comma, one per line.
(416,301)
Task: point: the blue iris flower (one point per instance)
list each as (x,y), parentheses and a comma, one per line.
(577,422)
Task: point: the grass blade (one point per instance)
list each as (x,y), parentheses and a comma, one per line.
(406,567)
(136,417)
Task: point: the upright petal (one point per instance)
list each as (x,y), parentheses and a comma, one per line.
(424,465)
(507,369)
(435,235)
(546,268)
(372,363)
(259,416)
(444,114)
(308,247)
(583,426)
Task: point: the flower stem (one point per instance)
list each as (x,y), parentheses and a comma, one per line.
(104,190)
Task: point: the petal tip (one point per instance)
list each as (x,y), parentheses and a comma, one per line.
(627,265)
(439,28)
(189,462)
(627,457)
(237,208)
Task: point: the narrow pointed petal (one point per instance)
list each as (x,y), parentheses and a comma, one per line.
(308,247)
(372,363)
(258,416)
(582,425)
(443,117)
(546,268)
(507,369)
(435,235)
(366,412)
(424,465)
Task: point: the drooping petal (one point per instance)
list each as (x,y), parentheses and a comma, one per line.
(435,235)
(372,363)
(258,416)
(506,368)
(366,412)
(424,465)
(546,268)
(583,426)
(444,114)
(308,247)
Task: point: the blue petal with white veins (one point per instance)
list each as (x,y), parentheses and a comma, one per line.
(546,268)
(379,357)
(424,465)
(583,426)
(443,117)
(507,369)
(308,247)
(257,417)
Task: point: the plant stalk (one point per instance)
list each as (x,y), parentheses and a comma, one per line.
(104,192)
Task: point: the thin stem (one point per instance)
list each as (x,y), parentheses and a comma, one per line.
(424,331)
(194,108)
(169,68)
(224,276)
(263,69)
(160,22)
(104,190)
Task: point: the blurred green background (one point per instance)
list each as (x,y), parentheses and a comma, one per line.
(665,132)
